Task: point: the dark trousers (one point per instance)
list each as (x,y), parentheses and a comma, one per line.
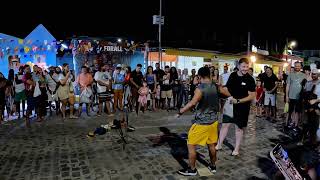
(183,97)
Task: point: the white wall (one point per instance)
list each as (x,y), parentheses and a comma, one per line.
(189,63)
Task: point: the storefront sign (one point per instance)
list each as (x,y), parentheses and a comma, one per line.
(113,48)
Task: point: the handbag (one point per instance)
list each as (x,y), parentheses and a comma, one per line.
(228,108)
(37,91)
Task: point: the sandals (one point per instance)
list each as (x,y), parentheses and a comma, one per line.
(234,153)
(218,148)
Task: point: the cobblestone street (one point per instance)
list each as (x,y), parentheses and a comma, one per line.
(61,150)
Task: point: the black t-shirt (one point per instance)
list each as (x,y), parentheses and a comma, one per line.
(159,74)
(137,77)
(238,86)
(262,76)
(270,82)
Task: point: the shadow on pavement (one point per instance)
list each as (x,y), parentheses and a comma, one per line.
(178,145)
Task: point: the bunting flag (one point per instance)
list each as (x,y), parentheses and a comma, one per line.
(45,42)
(20,41)
(48,47)
(16,49)
(34,48)
(26,49)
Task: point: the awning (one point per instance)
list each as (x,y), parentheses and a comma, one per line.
(178,52)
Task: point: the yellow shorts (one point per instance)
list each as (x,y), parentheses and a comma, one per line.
(203,134)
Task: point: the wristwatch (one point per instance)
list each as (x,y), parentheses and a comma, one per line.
(238,101)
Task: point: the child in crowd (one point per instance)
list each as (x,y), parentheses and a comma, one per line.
(143,92)
(259,99)
(157,96)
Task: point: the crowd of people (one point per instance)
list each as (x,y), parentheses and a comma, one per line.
(58,89)
(205,93)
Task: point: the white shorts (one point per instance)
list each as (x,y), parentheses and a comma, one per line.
(270,99)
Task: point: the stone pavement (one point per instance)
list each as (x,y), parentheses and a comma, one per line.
(61,150)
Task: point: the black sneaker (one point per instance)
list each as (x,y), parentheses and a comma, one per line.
(188,172)
(212,168)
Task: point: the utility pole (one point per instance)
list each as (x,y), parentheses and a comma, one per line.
(248,47)
(160,49)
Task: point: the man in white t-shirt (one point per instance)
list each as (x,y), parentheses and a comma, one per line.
(103,79)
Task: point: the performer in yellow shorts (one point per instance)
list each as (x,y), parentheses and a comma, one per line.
(203,134)
(204,130)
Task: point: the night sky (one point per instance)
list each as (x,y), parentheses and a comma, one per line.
(193,24)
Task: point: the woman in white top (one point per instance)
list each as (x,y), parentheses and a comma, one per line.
(65,91)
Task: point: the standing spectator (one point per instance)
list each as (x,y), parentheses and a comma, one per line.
(136,82)
(284,84)
(223,81)
(143,92)
(103,79)
(53,84)
(166,89)
(10,93)
(270,88)
(259,99)
(3,82)
(261,76)
(152,82)
(29,86)
(242,88)
(65,91)
(311,113)
(307,72)
(225,76)
(174,79)
(85,81)
(251,73)
(158,96)
(184,93)
(127,89)
(20,94)
(179,74)
(159,73)
(42,100)
(215,76)
(118,81)
(192,85)
(294,88)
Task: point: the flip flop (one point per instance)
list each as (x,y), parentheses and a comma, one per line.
(234,153)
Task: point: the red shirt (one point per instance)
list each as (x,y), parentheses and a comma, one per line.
(127,78)
(259,92)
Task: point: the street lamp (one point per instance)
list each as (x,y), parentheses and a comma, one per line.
(253,59)
(292,44)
